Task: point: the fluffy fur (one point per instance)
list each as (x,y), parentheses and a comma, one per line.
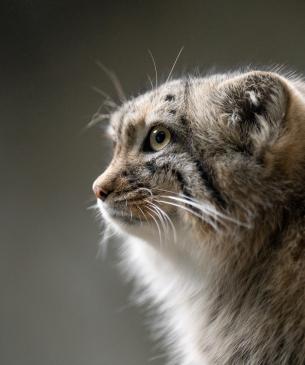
(213,223)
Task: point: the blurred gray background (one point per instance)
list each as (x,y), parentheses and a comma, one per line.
(60,304)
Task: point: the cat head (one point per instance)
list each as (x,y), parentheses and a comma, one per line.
(210,154)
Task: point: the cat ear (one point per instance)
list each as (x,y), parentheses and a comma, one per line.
(253,102)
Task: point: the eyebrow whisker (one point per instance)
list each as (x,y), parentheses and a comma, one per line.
(155,67)
(115,81)
(174,64)
(150,81)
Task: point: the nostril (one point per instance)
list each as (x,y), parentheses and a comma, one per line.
(100,193)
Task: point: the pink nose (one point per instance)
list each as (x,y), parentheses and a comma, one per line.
(100,193)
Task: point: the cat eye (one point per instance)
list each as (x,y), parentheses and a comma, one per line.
(159,137)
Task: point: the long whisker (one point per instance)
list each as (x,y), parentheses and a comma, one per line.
(105,95)
(130,211)
(174,64)
(161,219)
(141,210)
(200,216)
(207,207)
(164,223)
(97,118)
(115,81)
(168,219)
(180,206)
(155,67)
(171,224)
(164,215)
(202,207)
(150,81)
(93,206)
(158,227)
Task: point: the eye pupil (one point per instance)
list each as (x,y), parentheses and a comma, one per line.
(160,137)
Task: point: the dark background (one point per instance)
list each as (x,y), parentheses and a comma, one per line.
(60,304)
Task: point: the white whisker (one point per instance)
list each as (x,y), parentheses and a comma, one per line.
(200,216)
(168,219)
(150,81)
(158,215)
(180,206)
(202,207)
(141,212)
(97,118)
(115,81)
(146,189)
(174,64)
(155,67)
(105,95)
(158,227)
(208,208)
(93,206)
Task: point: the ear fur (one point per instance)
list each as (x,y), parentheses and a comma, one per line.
(251,98)
(254,106)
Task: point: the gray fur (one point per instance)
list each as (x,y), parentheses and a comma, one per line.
(234,275)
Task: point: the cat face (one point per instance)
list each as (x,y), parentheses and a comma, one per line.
(149,164)
(202,151)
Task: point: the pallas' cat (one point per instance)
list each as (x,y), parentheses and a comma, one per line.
(206,188)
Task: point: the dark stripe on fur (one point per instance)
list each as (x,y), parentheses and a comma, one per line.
(182,182)
(153,167)
(207,177)
(169,97)
(186,190)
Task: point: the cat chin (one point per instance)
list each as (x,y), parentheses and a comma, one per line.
(132,227)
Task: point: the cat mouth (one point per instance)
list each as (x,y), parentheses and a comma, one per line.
(140,218)
(124,216)
(131,214)
(137,209)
